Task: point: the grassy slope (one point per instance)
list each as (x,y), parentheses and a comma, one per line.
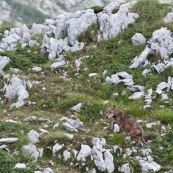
(63,93)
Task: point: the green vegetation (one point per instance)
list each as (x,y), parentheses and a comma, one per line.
(65,91)
(25,58)
(97,9)
(90,36)
(7,162)
(165,115)
(27,14)
(118,139)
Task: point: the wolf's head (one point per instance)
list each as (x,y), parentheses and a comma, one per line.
(110,112)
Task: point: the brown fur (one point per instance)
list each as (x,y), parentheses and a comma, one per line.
(126,123)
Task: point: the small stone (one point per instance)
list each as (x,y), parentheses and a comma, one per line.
(57,147)
(20,166)
(33,136)
(116,128)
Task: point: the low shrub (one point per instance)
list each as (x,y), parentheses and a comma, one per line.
(97,9)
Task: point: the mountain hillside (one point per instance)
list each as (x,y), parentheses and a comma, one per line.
(64,81)
(30,11)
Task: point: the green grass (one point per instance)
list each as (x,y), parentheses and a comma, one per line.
(25,58)
(97,9)
(165,115)
(7,162)
(61,95)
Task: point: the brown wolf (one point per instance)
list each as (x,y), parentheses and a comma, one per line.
(126,123)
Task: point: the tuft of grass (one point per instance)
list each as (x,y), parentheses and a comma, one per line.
(12,129)
(51,137)
(165,115)
(7,162)
(118,139)
(136,109)
(25,58)
(151,13)
(97,9)
(44,105)
(91,111)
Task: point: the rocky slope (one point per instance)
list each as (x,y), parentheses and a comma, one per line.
(16,11)
(58,77)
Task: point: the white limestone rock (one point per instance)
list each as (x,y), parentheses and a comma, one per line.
(44,170)
(160,67)
(77,107)
(161,86)
(124,77)
(66,155)
(68,27)
(84,152)
(30,119)
(125,168)
(79,23)
(69,127)
(58,64)
(70,136)
(4,147)
(14,36)
(170,83)
(33,43)
(33,136)
(4,60)
(98,158)
(16,88)
(148,98)
(162,42)
(39,29)
(43,131)
(149,166)
(73,125)
(98,141)
(145,72)
(149,126)
(32,149)
(138,39)
(37,69)
(8,140)
(141,59)
(169,17)
(136,88)
(137,95)
(92,74)
(168,63)
(56,126)
(116,128)
(112,24)
(113,79)
(57,147)
(114,5)
(164,97)
(109,161)
(20,166)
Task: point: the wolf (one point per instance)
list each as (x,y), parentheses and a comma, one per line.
(126,123)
